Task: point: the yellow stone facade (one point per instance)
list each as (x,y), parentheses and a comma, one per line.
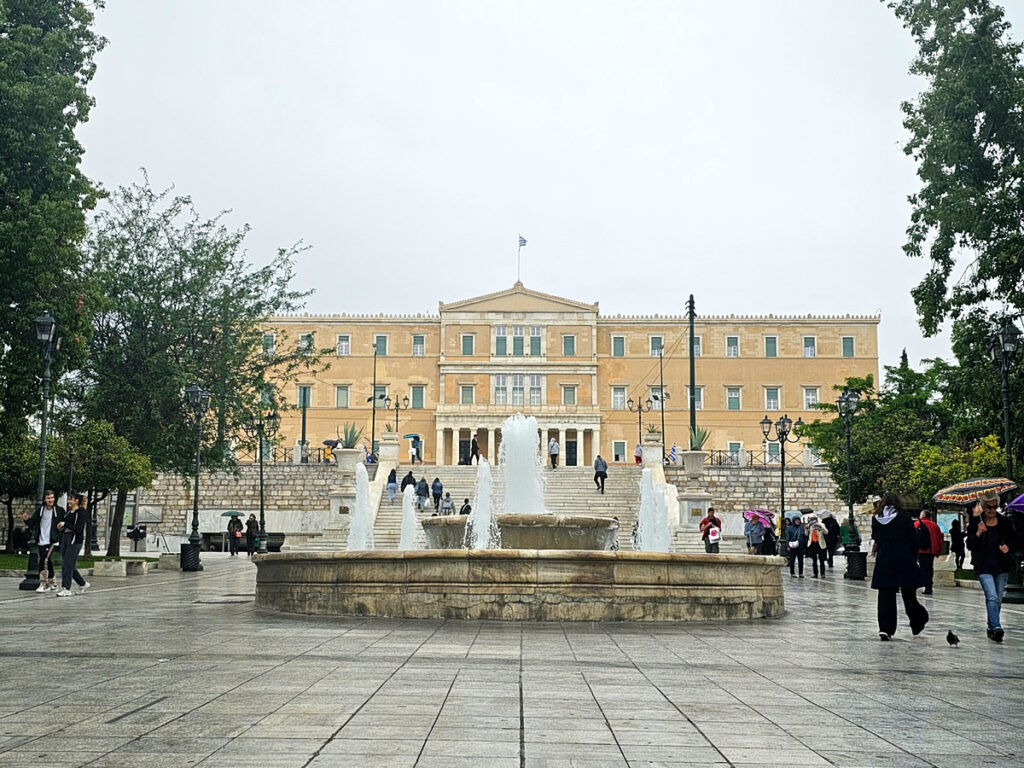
(480,360)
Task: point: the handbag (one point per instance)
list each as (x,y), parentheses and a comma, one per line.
(238,534)
(714,534)
(793,544)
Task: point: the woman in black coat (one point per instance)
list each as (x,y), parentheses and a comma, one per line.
(896,569)
(956,542)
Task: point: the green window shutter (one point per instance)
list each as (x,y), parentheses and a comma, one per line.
(517,345)
(417,397)
(501,345)
(847,346)
(771,347)
(467,345)
(618,346)
(535,345)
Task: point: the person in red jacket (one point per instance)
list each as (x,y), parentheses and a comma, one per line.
(929,546)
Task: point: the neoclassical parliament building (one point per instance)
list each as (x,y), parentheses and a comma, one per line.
(482,359)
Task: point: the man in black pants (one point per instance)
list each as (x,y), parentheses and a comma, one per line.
(45,522)
(72,535)
(600,473)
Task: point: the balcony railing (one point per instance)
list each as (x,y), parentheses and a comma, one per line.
(795,457)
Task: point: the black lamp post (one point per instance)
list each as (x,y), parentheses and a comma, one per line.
(263,428)
(848,402)
(199,399)
(661,397)
(46,334)
(398,407)
(639,410)
(1001,348)
(785,432)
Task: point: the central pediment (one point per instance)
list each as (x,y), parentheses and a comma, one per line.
(518,298)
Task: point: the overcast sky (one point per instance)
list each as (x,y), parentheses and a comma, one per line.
(746,152)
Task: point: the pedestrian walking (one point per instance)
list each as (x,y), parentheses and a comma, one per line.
(832,535)
(392,485)
(956,543)
(234,534)
(437,489)
(407,481)
(422,493)
(638,454)
(817,546)
(44,522)
(600,473)
(417,450)
(553,452)
(711,531)
(252,530)
(929,543)
(72,536)
(474,452)
(988,538)
(896,567)
(447,506)
(796,546)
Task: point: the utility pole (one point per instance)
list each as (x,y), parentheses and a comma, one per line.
(691,312)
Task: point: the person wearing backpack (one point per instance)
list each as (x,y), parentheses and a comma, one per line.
(929,546)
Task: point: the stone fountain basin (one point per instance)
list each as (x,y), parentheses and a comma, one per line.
(544,531)
(516,585)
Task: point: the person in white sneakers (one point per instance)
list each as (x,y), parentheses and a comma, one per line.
(44,521)
(72,535)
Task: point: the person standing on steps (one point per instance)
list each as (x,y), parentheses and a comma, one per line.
(422,493)
(600,473)
(72,536)
(988,538)
(553,452)
(638,454)
(437,489)
(47,534)
(417,449)
(474,452)
(466,508)
(407,481)
(447,506)
(929,541)
(393,485)
(896,569)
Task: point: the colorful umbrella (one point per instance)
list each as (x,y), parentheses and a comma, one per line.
(1017,504)
(964,493)
(763,514)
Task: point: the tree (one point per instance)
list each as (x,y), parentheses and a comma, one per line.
(46,49)
(19,465)
(967,136)
(935,467)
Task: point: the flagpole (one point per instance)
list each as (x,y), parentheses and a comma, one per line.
(519,264)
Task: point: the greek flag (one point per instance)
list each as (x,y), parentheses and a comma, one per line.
(672,454)
(522,241)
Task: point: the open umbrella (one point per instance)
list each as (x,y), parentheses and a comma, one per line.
(410,436)
(230,513)
(759,512)
(1017,504)
(964,493)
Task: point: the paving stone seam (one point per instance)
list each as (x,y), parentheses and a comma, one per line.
(437,716)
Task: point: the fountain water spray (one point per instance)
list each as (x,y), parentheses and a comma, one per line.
(652,521)
(482,527)
(524,490)
(411,530)
(360,533)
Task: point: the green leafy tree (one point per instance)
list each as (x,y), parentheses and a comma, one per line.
(19,467)
(967,137)
(46,63)
(935,467)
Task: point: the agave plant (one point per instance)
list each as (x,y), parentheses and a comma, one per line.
(350,437)
(698,436)
(652,429)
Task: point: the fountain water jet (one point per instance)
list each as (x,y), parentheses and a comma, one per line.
(482,526)
(410,525)
(652,533)
(360,533)
(524,483)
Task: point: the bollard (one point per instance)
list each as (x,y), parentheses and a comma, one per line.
(190,558)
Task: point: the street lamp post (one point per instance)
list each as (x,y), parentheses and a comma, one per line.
(661,398)
(262,428)
(785,432)
(847,403)
(639,410)
(199,399)
(1002,347)
(398,407)
(46,334)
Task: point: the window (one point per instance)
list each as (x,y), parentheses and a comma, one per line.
(267,394)
(517,388)
(773,453)
(732,398)
(536,392)
(380,343)
(269,344)
(467,344)
(500,340)
(305,395)
(809,346)
(501,389)
(517,340)
(419,348)
(771,346)
(341,396)
(655,346)
(847,346)
(618,346)
(417,395)
(344,348)
(698,399)
(618,450)
(306,343)
(656,398)
(466,394)
(619,398)
(696,346)
(735,453)
(771,398)
(810,397)
(535,340)
(568,394)
(569,346)
(379,393)
(732,346)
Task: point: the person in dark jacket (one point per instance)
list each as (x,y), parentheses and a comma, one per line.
(832,535)
(437,489)
(600,472)
(252,530)
(896,568)
(392,485)
(408,480)
(234,534)
(796,546)
(44,523)
(988,538)
(474,452)
(72,535)
(422,493)
(956,542)
(929,546)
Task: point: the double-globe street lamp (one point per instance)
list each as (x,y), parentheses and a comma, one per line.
(639,410)
(403,406)
(785,432)
(46,334)
(856,566)
(263,428)
(199,399)
(1001,348)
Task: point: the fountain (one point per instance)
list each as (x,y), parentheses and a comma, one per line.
(410,525)
(521,564)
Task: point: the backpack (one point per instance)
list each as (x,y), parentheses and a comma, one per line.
(924,537)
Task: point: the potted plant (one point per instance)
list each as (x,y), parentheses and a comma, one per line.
(693,459)
(653,436)
(348,451)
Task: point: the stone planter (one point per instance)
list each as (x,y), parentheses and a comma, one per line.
(693,463)
(348,458)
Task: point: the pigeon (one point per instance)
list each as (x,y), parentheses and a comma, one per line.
(951,638)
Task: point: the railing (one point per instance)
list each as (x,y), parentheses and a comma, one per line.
(283,455)
(796,457)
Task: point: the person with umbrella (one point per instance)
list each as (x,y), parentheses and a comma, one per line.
(754,531)
(414,449)
(796,545)
(988,538)
(234,534)
(832,534)
(896,568)
(252,530)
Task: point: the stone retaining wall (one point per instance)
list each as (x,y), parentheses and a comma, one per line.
(735,489)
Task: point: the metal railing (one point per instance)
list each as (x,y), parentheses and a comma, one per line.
(283,455)
(796,457)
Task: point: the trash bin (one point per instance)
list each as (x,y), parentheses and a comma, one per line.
(190,558)
(856,565)
(137,534)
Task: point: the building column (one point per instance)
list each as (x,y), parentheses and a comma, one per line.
(595,444)
(439,448)
(455,445)
(561,446)
(489,434)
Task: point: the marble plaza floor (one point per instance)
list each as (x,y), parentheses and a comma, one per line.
(174,670)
